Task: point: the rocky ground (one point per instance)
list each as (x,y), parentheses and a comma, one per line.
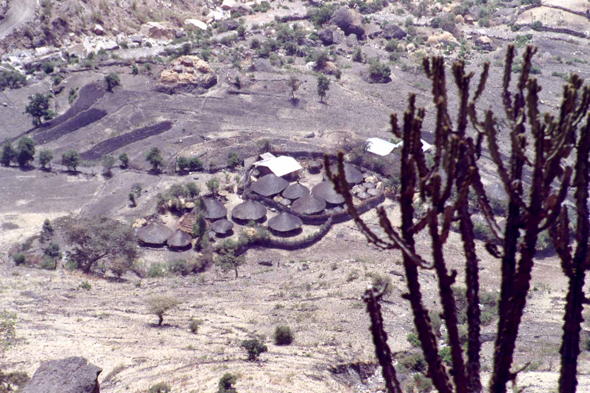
(166,102)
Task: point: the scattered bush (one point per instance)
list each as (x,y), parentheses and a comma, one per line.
(11,80)
(254,348)
(19,258)
(108,162)
(85,285)
(112,80)
(154,158)
(48,67)
(233,160)
(25,152)
(45,157)
(160,305)
(178,266)
(124,160)
(283,335)
(38,108)
(8,154)
(194,325)
(156,270)
(71,160)
(413,339)
(226,383)
(160,387)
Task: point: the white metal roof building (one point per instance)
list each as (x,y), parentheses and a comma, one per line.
(280,166)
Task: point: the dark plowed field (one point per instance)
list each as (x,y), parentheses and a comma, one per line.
(71,125)
(112,144)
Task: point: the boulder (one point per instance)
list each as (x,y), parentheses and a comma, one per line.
(326,36)
(228,5)
(157,31)
(441,38)
(338,37)
(137,38)
(70,375)
(352,40)
(230,24)
(188,74)
(484,43)
(330,68)
(459,19)
(350,21)
(195,23)
(98,30)
(261,65)
(373,30)
(390,31)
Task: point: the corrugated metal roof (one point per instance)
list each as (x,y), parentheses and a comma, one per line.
(280,166)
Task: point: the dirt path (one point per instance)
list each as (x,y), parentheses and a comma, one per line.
(19,13)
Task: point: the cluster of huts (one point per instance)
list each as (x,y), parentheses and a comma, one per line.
(296,199)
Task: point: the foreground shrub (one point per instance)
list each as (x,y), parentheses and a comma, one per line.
(160,305)
(283,335)
(226,383)
(254,347)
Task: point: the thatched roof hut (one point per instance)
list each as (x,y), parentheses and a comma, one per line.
(326,191)
(213,209)
(179,239)
(285,222)
(295,191)
(186,222)
(154,234)
(307,205)
(353,175)
(222,226)
(249,210)
(269,185)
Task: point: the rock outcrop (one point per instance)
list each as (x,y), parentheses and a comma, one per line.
(157,31)
(350,21)
(390,31)
(187,73)
(70,375)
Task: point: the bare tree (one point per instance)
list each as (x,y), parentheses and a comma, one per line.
(541,145)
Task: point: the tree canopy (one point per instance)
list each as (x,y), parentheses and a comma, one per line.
(38,108)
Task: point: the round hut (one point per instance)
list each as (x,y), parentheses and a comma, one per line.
(186,222)
(154,234)
(269,185)
(285,224)
(213,209)
(352,175)
(295,191)
(222,227)
(326,191)
(308,205)
(249,211)
(179,239)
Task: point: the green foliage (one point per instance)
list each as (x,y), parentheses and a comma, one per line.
(199,226)
(213,185)
(379,72)
(11,80)
(320,58)
(196,164)
(192,189)
(46,230)
(7,330)
(233,160)
(154,158)
(228,259)
(124,160)
(323,86)
(13,381)
(48,67)
(194,325)
(19,258)
(178,266)
(25,151)
(283,335)
(254,348)
(413,339)
(71,160)
(379,281)
(391,45)
(160,305)
(226,383)
(8,154)
(72,95)
(413,361)
(103,240)
(53,250)
(182,163)
(112,80)
(160,387)
(38,108)
(57,79)
(108,162)
(321,15)
(134,70)
(156,270)
(45,157)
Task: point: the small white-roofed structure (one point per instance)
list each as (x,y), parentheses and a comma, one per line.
(382,147)
(280,166)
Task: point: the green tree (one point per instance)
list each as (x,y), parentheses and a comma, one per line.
(254,347)
(226,383)
(47,230)
(112,80)
(213,185)
(108,162)
(233,160)
(323,86)
(38,108)
(48,67)
(228,258)
(154,158)
(45,157)
(100,239)
(124,160)
(134,70)
(321,59)
(25,151)
(160,305)
(8,154)
(294,84)
(71,160)
(283,335)
(182,163)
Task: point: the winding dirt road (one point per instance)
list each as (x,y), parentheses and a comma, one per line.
(19,13)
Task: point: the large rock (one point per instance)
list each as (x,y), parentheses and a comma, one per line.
(261,65)
(485,43)
(350,21)
(393,31)
(444,37)
(230,24)
(188,74)
(196,24)
(373,30)
(70,375)
(157,31)
(326,36)
(352,40)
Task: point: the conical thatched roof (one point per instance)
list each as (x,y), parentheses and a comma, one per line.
(213,209)
(186,222)
(326,191)
(285,222)
(222,226)
(295,191)
(353,175)
(154,233)
(307,205)
(180,239)
(269,185)
(249,210)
